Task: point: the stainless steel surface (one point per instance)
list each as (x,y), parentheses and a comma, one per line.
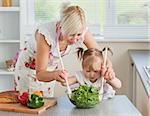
(118,106)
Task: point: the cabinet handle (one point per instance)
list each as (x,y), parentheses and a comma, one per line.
(132,64)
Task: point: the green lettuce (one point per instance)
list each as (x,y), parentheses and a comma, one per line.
(85,96)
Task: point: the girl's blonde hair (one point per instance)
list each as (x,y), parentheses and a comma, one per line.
(72,19)
(91,54)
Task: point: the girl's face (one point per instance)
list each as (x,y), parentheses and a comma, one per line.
(93,73)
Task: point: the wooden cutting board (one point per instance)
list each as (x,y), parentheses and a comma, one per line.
(17,107)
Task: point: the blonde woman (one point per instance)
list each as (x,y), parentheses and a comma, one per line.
(37,64)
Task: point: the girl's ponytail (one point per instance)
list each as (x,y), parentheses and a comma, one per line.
(80,52)
(109,49)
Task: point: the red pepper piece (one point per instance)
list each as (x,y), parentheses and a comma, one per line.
(23,99)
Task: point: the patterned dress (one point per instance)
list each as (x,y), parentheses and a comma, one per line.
(25,73)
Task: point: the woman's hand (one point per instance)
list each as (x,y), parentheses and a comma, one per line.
(60,75)
(71,80)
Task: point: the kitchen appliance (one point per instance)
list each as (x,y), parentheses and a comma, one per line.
(147,70)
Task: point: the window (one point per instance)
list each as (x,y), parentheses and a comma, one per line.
(112,19)
(132,12)
(126,19)
(48,10)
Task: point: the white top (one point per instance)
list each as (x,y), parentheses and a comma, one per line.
(108,91)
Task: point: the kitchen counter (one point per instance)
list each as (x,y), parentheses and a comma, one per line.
(141,58)
(120,105)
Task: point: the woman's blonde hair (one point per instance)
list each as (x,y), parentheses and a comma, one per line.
(72,19)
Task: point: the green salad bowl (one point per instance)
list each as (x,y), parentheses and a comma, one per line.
(85,97)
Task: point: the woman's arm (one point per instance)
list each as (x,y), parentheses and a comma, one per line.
(42,58)
(89,41)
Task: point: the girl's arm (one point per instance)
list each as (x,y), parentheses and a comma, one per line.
(115,83)
(110,77)
(42,58)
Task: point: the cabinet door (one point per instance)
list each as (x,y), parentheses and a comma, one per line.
(6,82)
(142,99)
(9,41)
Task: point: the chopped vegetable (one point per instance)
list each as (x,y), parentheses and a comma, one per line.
(39,93)
(35,101)
(23,99)
(85,96)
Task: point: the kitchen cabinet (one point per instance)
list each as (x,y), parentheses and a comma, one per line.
(11,31)
(142,99)
(140,85)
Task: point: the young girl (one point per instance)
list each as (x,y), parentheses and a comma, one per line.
(92,64)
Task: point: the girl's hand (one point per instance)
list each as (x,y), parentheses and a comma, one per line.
(60,75)
(107,73)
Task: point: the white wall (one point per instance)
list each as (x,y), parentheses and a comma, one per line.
(120,60)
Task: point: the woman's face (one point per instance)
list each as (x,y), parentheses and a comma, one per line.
(94,73)
(74,37)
